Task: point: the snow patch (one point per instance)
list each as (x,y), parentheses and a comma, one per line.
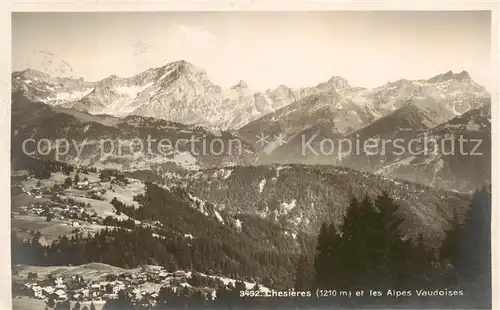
(261,185)
(132,91)
(227,174)
(71,96)
(219,217)
(389,168)
(471,126)
(201,203)
(237,223)
(287,207)
(186,160)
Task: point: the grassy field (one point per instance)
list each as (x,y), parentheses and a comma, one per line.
(25,199)
(22,224)
(92,271)
(101,207)
(126,193)
(27,303)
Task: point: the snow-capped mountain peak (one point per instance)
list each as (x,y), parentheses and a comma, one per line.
(338,82)
(177,69)
(241,84)
(34,74)
(450,75)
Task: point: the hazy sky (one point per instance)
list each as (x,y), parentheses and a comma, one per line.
(266,48)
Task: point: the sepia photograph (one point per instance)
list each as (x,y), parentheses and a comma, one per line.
(251,160)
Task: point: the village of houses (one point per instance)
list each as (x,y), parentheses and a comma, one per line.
(82,206)
(96,283)
(102,283)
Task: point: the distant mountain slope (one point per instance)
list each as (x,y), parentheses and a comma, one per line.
(39,86)
(164,144)
(454,166)
(303,197)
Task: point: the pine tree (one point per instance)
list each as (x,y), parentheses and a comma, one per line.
(468,248)
(395,252)
(321,258)
(360,244)
(68,182)
(122,302)
(304,274)
(51,303)
(63,305)
(422,270)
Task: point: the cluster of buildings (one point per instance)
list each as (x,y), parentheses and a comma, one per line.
(51,210)
(83,185)
(36,193)
(142,286)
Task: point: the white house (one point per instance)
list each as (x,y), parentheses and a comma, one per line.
(61,294)
(110,296)
(180,273)
(59,281)
(163,274)
(85,292)
(48,290)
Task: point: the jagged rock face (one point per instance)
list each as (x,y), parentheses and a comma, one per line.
(178,91)
(338,82)
(39,86)
(347,109)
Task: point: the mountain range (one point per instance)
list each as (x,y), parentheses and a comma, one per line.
(182,93)
(179,92)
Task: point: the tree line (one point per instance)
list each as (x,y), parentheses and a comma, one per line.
(370,252)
